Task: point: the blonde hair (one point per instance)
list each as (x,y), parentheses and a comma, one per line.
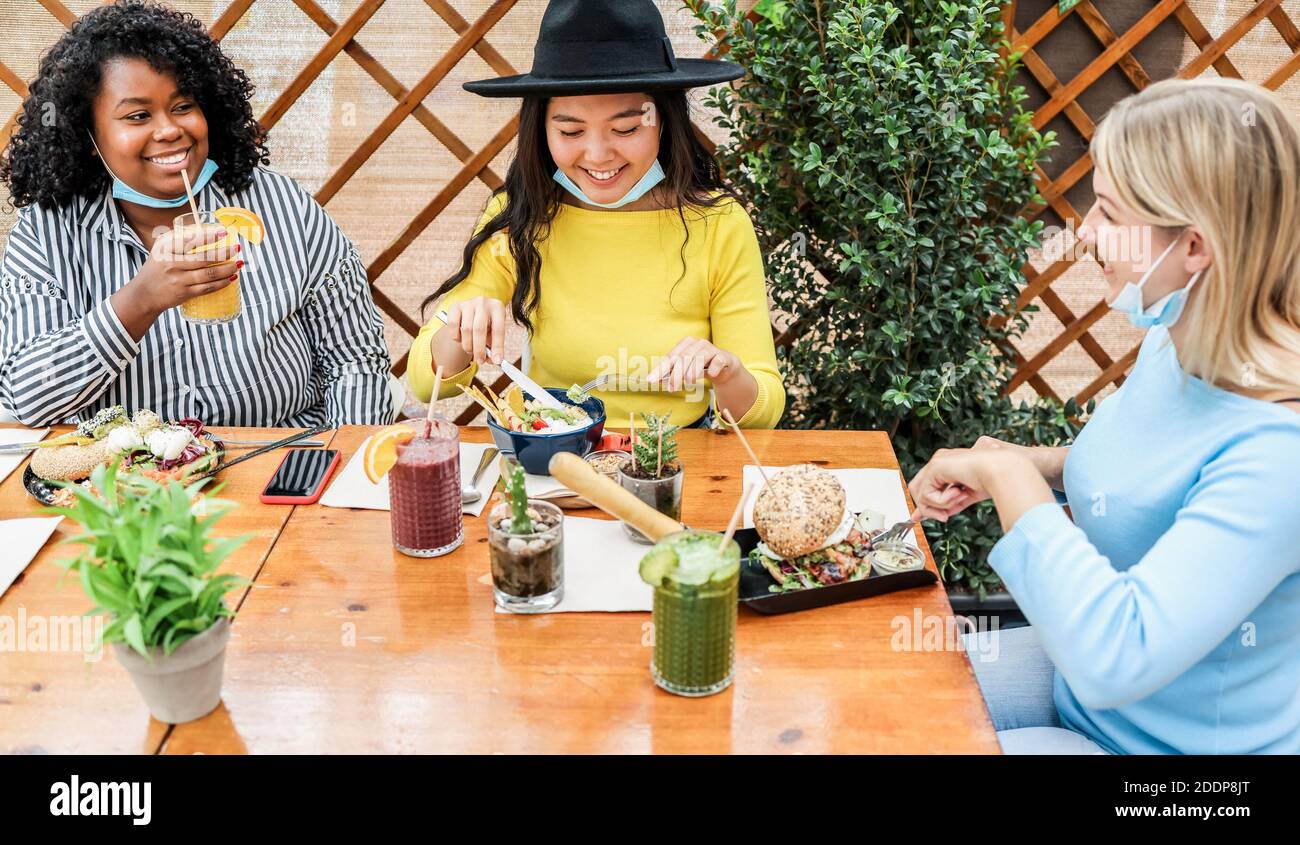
(1223,155)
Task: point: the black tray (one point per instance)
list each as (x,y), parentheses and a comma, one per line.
(754,581)
(43,492)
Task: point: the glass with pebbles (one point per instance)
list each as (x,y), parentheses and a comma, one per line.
(527,568)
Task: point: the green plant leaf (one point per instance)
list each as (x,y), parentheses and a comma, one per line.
(134,635)
(774,11)
(162,611)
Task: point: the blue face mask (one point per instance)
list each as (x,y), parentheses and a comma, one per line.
(1164,311)
(126,193)
(652,177)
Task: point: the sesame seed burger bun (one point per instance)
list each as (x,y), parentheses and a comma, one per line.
(69,463)
(798,509)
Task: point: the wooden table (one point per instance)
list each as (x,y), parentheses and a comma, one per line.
(344,645)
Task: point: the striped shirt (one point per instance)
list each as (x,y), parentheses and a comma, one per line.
(307,348)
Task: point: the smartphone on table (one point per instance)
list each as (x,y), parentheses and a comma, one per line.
(301,477)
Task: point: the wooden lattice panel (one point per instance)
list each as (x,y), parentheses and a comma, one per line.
(1075,335)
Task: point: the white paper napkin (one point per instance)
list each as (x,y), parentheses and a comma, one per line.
(351,488)
(880,490)
(601,569)
(21,539)
(545,487)
(9,436)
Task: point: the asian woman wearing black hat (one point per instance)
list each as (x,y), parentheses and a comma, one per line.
(615,241)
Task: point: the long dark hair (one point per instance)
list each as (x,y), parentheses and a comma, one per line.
(692,179)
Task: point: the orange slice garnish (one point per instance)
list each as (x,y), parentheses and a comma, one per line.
(242,222)
(381,452)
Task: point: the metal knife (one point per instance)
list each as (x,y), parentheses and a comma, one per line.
(529,386)
(513,373)
(31,446)
(19,448)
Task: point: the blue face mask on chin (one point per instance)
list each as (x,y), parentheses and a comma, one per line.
(1165,311)
(126,193)
(123,191)
(652,177)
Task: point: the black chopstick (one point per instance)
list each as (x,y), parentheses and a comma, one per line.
(291,439)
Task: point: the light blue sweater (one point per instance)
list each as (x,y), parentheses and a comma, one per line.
(1171,605)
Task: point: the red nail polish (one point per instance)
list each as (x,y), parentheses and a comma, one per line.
(238,247)
(239,264)
(236,276)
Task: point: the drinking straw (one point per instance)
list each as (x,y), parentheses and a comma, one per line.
(433,402)
(659,460)
(726,415)
(194,207)
(735,520)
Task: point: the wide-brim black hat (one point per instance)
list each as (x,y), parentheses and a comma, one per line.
(605,47)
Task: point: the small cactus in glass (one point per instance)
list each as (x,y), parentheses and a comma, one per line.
(520,522)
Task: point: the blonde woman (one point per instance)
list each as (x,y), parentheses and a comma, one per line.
(1166,616)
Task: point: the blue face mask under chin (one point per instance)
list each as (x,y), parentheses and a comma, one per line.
(126,193)
(1164,311)
(652,177)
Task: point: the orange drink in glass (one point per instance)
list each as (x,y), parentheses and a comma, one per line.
(219,306)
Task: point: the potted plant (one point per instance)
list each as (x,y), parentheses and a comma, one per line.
(526,548)
(150,565)
(654,475)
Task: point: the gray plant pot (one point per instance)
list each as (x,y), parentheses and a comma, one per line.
(185,685)
(662,494)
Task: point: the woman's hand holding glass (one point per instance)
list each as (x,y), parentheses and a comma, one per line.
(173,275)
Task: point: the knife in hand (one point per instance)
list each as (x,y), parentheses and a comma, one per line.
(513,373)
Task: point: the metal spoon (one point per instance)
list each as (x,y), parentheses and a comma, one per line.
(469,493)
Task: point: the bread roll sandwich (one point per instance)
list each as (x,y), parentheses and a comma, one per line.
(809,537)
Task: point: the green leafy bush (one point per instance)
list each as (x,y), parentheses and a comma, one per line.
(887,157)
(150,560)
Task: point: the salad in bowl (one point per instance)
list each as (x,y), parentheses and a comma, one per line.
(531,432)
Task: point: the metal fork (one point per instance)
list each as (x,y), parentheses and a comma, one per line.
(601,381)
(894,534)
(598,381)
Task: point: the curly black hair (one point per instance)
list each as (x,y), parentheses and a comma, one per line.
(51,162)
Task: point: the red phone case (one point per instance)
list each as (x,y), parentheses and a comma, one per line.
(311,498)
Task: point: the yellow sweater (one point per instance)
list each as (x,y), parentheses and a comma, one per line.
(614,301)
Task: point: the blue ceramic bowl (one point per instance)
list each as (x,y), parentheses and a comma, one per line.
(534,451)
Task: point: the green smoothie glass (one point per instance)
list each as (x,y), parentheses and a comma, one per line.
(694,611)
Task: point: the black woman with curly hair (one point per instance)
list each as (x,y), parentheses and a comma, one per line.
(134,95)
